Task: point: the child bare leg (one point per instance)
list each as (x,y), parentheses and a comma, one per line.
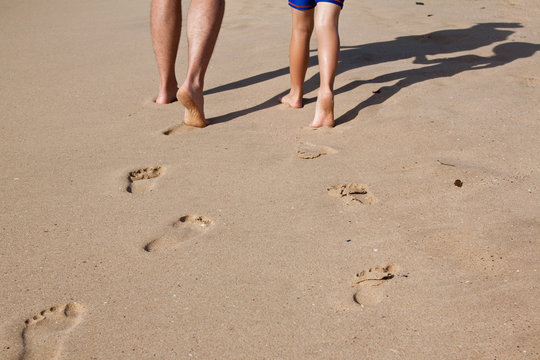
(302,28)
(326,29)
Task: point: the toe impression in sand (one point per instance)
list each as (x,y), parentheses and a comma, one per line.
(368,284)
(45,332)
(309,151)
(352,194)
(186,228)
(144,180)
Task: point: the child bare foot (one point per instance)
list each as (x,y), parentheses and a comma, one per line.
(194,103)
(293,100)
(324,111)
(45,333)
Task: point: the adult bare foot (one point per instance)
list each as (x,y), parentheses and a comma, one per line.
(324,110)
(193,101)
(167,96)
(45,333)
(293,100)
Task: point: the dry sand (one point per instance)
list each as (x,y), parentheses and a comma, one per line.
(257,238)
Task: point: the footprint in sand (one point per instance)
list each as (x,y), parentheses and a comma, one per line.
(531,81)
(186,228)
(44,333)
(368,282)
(352,194)
(144,180)
(306,150)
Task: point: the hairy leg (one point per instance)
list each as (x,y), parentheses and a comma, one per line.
(165,26)
(326,28)
(302,28)
(203,24)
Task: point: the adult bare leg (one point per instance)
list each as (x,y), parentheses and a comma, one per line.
(326,29)
(203,24)
(302,28)
(165,26)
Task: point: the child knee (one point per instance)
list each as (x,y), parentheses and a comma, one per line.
(326,24)
(303,29)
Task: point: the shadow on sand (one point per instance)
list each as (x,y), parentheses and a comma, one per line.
(417,47)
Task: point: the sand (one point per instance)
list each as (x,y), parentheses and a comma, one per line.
(256,237)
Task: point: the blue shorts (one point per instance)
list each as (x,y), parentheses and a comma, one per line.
(310,4)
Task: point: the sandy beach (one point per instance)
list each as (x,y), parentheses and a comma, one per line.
(410,230)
